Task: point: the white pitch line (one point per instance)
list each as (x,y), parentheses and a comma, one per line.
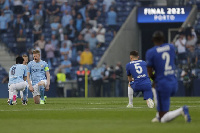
(135,107)
(72,109)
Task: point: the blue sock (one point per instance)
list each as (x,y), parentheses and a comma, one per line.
(25,92)
(41,92)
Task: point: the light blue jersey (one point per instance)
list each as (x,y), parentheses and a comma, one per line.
(17,73)
(37,71)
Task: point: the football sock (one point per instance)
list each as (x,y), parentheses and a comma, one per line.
(10,95)
(154,96)
(41,92)
(130,95)
(25,92)
(21,94)
(171,115)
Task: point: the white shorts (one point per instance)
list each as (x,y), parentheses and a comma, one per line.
(17,87)
(36,89)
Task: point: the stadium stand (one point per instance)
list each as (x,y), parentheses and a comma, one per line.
(9,38)
(122,8)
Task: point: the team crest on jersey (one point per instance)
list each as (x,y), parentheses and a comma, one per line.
(42,66)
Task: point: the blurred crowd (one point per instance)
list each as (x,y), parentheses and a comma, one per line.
(103,81)
(67,32)
(187,59)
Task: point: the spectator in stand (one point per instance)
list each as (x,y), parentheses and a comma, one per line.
(64,50)
(88,22)
(83,12)
(112,20)
(30,4)
(100,32)
(191,41)
(107,4)
(9,16)
(73,13)
(60,34)
(27,16)
(93,1)
(55,26)
(101,15)
(78,58)
(92,13)
(21,42)
(18,6)
(106,82)
(70,30)
(79,43)
(92,41)
(38,17)
(86,32)
(3,23)
(66,65)
(65,7)
(52,11)
(55,43)
(96,77)
(79,23)
(86,58)
(3,4)
(78,5)
(66,19)
(180,44)
(18,25)
(67,42)
(37,30)
(42,12)
(49,49)
(60,78)
(192,57)
(30,54)
(187,76)
(188,30)
(41,43)
(81,80)
(36,47)
(118,80)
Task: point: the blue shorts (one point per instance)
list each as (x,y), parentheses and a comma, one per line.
(144,88)
(164,92)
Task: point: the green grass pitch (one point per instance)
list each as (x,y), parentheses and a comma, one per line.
(94,115)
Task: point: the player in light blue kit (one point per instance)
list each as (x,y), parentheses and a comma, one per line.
(17,79)
(160,59)
(24,94)
(137,70)
(39,72)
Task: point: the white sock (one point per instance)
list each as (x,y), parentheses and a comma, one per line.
(171,115)
(10,95)
(21,94)
(130,95)
(154,96)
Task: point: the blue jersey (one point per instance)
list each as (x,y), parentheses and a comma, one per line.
(161,59)
(138,70)
(17,73)
(37,71)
